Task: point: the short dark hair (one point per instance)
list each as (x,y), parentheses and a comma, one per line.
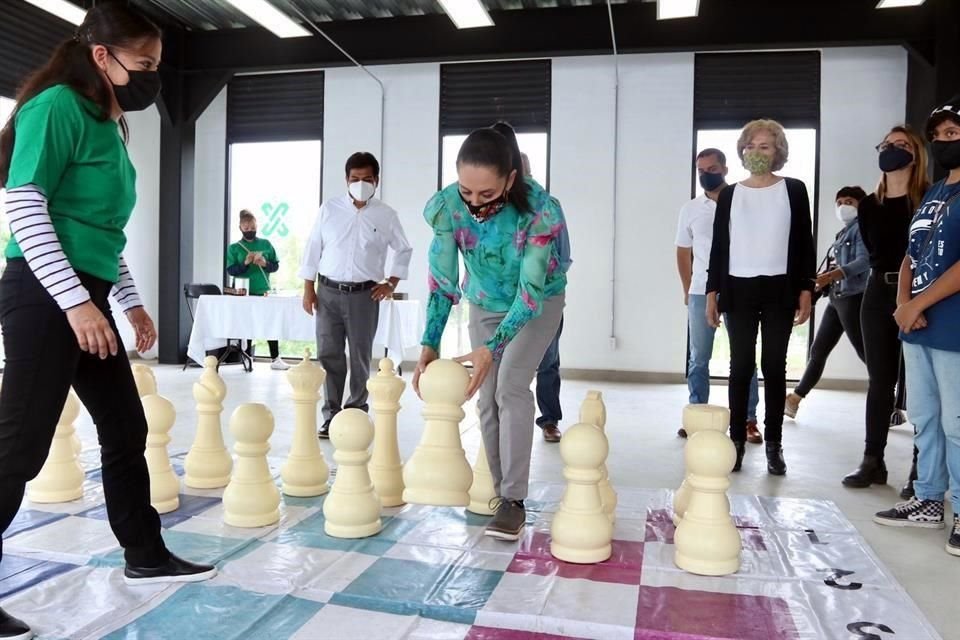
(854,192)
(363,160)
(710,151)
(246,216)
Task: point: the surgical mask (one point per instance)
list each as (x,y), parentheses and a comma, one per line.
(487,210)
(141,90)
(249,236)
(846,213)
(757,163)
(711,181)
(361,191)
(946,154)
(894,158)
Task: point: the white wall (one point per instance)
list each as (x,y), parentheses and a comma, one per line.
(142,251)
(863,93)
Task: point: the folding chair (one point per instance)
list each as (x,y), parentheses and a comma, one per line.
(191,293)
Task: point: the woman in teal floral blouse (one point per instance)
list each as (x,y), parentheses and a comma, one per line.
(505,228)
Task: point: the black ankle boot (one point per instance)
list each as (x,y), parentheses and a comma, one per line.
(776,466)
(740,447)
(872,470)
(907,491)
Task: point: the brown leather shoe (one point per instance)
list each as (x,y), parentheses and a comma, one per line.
(753,434)
(551,433)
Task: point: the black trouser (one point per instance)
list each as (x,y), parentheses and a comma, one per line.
(273,345)
(881,343)
(842,315)
(43,360)
(764,302)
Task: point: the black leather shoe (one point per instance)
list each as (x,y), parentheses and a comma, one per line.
(872,470)
(907,491)
(776,466)
(13,629)
(173,570)
(324,431)
(741,447)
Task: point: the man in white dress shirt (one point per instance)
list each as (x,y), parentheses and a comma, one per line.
(345,279)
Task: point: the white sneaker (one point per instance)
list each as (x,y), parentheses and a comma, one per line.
(279,365)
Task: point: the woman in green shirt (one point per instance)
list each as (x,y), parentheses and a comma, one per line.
(505,228)
(70,192)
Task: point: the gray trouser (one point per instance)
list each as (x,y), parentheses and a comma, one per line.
(506,402)
(345,318)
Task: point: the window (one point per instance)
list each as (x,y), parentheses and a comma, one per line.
(6,108)
(802,165)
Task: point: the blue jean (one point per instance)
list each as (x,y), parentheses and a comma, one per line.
(701,350)
(933,405)
(548,383)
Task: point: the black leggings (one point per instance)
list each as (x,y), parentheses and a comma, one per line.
(882,347)
(763,302)
(272,344)
(43,361)
(842,315)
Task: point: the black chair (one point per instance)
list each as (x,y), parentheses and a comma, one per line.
(191,292)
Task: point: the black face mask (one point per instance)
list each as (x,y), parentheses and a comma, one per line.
(711,181)
(946,154)
(249,236)
(485,211)
(894,158)
(140,92)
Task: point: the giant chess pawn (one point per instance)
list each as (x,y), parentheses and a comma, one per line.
(208,463)
(61,478)
(352,510)
(251,499)
(707,542)
(386,468)
(438,472)
(145,380)
(581,531)
(697,418)
(594,411)
(305,473)
(164,483)
(482,491)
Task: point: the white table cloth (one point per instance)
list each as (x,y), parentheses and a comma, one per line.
(219,318)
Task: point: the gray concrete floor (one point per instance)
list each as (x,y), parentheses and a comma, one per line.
(820,447)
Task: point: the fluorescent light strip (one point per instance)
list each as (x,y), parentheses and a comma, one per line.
(62,9)
(894,4)
(270,18)
(467,14)
(670,9)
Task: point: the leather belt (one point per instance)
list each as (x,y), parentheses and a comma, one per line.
(347,287)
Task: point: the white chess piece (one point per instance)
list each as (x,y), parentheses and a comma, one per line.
(352,510)
(594,411)
(581,531)
(305,473)
(251,499)
(706,541)
(208,463)
(482,491)
(61,478)
(438,472)
(145,379)
(386,468)
(697,418)
(164,483)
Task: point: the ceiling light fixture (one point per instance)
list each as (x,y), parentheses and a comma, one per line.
(670,9)
(62,9)
(894,4)
(467,14)
(270,18)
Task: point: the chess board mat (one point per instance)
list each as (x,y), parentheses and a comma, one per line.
(431,575)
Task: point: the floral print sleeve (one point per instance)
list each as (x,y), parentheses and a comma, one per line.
(443,272)
(535,241)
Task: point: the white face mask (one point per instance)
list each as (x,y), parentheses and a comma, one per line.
(361,191)
(846,213)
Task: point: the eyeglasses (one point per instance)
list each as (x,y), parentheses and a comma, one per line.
(883,146)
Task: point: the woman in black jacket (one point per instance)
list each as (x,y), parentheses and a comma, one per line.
(761,276)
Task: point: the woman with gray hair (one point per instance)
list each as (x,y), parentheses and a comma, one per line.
(761,276)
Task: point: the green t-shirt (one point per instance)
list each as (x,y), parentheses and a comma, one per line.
(81,165)
(259,276)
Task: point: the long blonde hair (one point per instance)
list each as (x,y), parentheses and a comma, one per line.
(919,180)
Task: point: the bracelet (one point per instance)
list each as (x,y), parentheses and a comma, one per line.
(390,284)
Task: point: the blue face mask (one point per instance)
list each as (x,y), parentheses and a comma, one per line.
(711,181)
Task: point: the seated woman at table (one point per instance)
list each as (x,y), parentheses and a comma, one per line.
(255,259)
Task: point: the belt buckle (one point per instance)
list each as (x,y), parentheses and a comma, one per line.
(343,287)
